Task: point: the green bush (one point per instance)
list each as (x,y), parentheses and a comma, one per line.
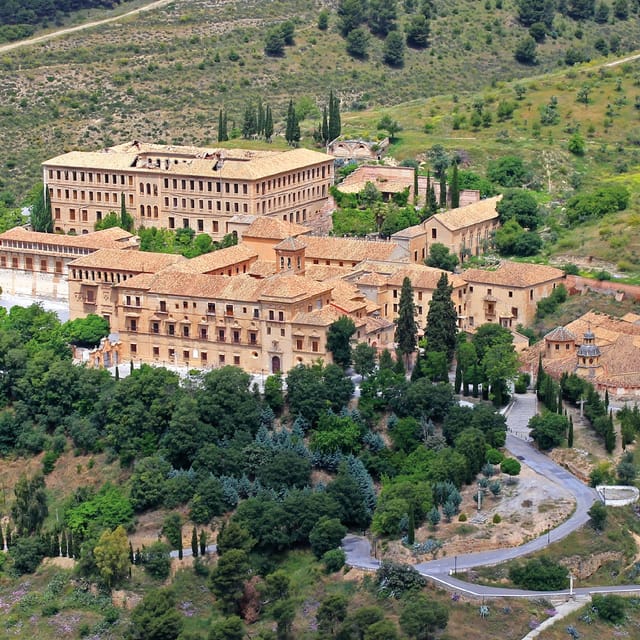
(462,517)
(494,456)
(610,608)
(540,574)
(333,560)
(496,518)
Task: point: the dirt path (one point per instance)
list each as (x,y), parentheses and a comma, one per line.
(622,60)
(87,25)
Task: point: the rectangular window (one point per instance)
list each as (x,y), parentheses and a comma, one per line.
(155,327)
(236,361)
(134,348)
(156,352)
(185,355)
(185,331)
(299,344)
(221,335)
(315,346)
(228,310)
(434,234)
(221,358)
(211,307)
(43,265)
(172,223)
(203,356)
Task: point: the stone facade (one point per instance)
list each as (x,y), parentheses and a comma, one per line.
(465,231)
(174,187)
(36,264)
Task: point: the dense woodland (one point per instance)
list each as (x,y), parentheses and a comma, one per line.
(215,444)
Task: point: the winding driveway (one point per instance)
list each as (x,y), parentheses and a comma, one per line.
(358,549)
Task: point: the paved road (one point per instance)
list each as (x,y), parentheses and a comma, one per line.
(81,27)
(358,549)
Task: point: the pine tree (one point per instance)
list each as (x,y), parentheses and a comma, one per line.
(570,436)
(324,130)
(442,320)
(194,542)
(268,124)
(454,190)
(406,327)
(443,190)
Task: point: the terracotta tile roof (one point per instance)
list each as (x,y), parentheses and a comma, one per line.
(140,261)
(480,211)
(423,277)
(262,268)
(273,229)
(560,334)
(289,286)
(514,274)
(633,318)
(319,317)
(114,238)
(411,232)
(350,249)
(377,323)
(238,164)
(290,244)
(323,272)
(618,341)
(218,259)
(386,186)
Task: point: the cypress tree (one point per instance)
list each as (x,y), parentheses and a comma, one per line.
(570,436)
(454,190)
(433,202)
(126,220)
(443,190)
(1,539)
(458,381)
(117,373)
(324,129)
(41,219)
(559,400)
(411,530)
(7,536)
(540,377)
(131,556)
(475,380)
(335,125)
(291,116)
(138,557)
(222,126)
(203,543)
(606,399)
(268,124)
(249,122)
(260,119)
(427,194)
(406,327)
(442,320)
(415,186)
(194,542)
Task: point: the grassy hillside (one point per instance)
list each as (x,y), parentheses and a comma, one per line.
(164,75)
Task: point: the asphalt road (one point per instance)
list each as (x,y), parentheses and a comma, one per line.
(358,549)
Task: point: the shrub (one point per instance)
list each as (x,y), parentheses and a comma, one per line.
(540,574)
(494,456)
(496,518)
(610,608)
(395,579)
(462,517)
(510,466)
(333,560)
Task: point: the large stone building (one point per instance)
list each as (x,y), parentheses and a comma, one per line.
(601,348)
(466,231)
(509,294)
(36,264)
(174,187)
(391,181)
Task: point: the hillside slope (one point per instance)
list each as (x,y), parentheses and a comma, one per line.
(164,76)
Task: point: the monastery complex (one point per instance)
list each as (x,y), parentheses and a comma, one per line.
(266,303)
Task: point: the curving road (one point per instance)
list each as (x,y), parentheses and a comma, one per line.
(81,27)
(358,549)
